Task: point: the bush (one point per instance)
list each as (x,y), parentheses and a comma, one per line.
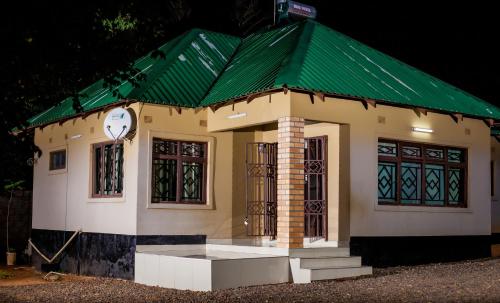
(5,274)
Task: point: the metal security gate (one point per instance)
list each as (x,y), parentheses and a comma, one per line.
(261,189)
(315,188)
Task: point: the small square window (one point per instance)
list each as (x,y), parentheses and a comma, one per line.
(57,160)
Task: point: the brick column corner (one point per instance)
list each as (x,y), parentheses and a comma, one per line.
(290,182)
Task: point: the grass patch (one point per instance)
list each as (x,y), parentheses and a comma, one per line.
(5,274)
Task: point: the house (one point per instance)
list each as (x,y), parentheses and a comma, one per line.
(293,138)
(495,182)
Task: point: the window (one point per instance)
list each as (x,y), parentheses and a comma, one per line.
(421,174)
(107,170)
(57,159)
(179,171)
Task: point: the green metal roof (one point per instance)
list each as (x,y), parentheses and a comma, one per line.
(203,68)
(335,63)
(258,64)
(310,56)
(191,64)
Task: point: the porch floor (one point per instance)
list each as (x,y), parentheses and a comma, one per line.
(218,266)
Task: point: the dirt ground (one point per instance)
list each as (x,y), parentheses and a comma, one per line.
(24,275)
(469,281)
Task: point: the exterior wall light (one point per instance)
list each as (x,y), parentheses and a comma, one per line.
(236,116)
(76,137)
(422,130)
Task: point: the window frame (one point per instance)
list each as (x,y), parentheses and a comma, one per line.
(93,183)
(180,159)
(423,161)
(51,167)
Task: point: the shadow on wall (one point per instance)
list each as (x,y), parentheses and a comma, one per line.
(396,251)
(19,223)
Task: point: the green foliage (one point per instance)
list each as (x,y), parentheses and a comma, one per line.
(120,23)
(5,274)
(13,185)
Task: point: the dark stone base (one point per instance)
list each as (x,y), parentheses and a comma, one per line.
(96,254)
(171,240)
(495,238)
(393,251)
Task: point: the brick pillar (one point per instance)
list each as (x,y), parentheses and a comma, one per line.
(290,182)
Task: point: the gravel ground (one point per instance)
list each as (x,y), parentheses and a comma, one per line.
(470,281)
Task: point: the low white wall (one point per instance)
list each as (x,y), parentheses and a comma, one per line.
(211,272)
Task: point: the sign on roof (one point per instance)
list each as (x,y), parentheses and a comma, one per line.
(303,10)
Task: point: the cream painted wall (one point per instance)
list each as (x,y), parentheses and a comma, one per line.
(214,220)
(62,200)
(337,199)
(367,218)
(357,170)
(262,110)
(495,199)
(332,131)
(241,138)
(361,129)
(133,214)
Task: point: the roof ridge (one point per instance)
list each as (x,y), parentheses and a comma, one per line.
(291,66)
(228,63)
(185,38)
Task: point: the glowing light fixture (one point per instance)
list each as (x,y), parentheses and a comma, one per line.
(236,116)
(422,130)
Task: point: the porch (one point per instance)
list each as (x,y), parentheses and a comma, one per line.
(219,266)
(287,184)
(290,218)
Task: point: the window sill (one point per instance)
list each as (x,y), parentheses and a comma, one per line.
(185,206)
(57,171)
(105,200)
(425,209)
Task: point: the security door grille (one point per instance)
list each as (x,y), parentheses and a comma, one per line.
(315,172)
(261,189)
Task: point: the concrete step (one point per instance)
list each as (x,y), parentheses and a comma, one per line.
(319,252)
(339,273)
(330,262)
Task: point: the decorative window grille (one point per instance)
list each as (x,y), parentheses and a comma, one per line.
(107,169)
(179,171)
(421,174)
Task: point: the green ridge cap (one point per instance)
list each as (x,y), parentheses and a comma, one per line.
(292,65)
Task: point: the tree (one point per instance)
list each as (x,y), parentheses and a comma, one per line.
(11,188)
